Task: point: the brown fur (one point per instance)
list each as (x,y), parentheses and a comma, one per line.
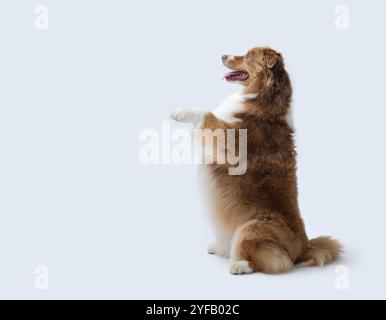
(259,210)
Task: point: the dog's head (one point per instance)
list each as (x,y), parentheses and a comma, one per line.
(261,70)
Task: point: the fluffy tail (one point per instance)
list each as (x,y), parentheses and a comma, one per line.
(321,251)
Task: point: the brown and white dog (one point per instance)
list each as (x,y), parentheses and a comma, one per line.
(256,214)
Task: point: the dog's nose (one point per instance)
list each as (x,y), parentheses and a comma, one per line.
(225,57)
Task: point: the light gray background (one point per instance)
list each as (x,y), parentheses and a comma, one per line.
(73,99)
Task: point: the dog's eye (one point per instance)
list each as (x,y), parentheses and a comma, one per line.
(249,56)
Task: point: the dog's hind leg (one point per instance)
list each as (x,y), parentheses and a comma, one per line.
(255,249)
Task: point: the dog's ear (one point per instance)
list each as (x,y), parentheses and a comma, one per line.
(271,58)
(277,84)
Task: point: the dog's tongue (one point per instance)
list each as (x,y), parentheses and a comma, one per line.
(236,75)
(232,74)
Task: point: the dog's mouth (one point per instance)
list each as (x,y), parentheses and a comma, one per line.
(237,75)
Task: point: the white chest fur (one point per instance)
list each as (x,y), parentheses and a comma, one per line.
(233,104)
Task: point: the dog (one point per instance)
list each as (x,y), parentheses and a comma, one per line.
(256,215)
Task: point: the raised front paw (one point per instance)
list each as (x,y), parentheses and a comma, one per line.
(193,116)
(181,115)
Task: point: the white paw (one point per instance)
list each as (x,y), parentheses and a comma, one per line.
(193,116)
(181,115)
(212,249)
(240,267)
(218,250)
